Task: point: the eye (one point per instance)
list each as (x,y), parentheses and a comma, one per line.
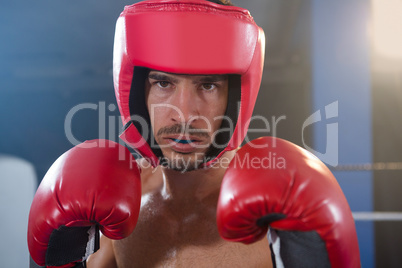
(208,86)
(163,84)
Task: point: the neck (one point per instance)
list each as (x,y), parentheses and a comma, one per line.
(195,186)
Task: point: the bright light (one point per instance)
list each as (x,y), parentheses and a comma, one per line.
(387,27)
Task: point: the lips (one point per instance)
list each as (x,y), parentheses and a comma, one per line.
(182,143)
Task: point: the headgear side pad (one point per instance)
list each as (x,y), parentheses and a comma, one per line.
(186,37)
(229,121)
(139,111)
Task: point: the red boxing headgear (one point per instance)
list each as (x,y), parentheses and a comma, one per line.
(185,37)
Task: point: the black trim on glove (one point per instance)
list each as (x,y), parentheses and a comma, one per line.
(70,244)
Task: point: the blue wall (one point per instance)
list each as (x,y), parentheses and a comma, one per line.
(53,56)
(341,72)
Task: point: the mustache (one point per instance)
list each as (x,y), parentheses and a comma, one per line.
(183,130)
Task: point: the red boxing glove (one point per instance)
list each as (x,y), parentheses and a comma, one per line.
(284,187)
(90,187)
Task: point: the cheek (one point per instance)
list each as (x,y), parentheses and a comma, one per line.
(154,113)
(157,116)
(216,110)
(158,106)
(222,103)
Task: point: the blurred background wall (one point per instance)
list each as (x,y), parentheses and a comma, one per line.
(332,84)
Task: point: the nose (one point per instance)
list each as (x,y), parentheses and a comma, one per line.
(186,105)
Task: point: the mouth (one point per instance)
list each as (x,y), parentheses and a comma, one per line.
(183,144)
(184,141)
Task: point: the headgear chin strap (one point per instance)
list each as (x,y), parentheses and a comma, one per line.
(184,37)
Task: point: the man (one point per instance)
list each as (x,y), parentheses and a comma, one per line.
(177,222)
(186,77)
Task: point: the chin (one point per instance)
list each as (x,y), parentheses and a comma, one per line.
(182,163)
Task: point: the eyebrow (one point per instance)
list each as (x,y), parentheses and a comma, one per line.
(211,79)
(162,77)
(202,78)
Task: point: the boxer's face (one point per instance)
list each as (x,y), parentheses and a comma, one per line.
(186,113)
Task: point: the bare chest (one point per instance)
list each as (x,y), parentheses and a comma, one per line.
(192,241)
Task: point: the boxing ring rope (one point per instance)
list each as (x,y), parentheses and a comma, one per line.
(369,166)
(375,215)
